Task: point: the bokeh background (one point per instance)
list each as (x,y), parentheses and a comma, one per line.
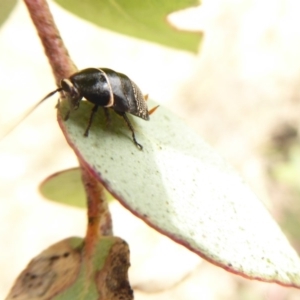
(241,93)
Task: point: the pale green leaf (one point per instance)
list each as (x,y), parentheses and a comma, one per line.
(181,187)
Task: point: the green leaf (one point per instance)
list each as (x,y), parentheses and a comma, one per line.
(6,8)
(141,19)
(181,187)
(66,187)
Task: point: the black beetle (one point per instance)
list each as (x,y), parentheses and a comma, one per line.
(107,88)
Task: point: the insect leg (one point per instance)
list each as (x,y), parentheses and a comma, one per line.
(94,110)
(140,147)
(66,117)
(107,117)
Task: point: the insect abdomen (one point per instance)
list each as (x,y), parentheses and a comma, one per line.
(127,95)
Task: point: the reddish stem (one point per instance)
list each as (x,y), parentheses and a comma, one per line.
(99,219)
(58,56)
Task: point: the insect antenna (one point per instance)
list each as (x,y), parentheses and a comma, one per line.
(26,114)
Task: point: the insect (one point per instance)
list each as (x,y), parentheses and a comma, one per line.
(108,89)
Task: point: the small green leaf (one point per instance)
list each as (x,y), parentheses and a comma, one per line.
(181,187)
(6,8)
(66,187)
(142,19)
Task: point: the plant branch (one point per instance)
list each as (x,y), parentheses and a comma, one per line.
(58,56)
(99,219)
